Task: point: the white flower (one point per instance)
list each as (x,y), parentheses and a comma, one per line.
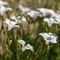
(24,9)
(45,12)
(29,47)
(50,21)
(11,24)
(57,18)
(22,42)
(24,46)
(33,14)
(16,19)
(49,37)
(52,12)
(3,9)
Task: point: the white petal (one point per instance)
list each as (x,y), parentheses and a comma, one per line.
(16,26)
(9,9)
(46,12)
(48,21)
(24,9)
(29,47)
(52,12)
(33,14)
(11,24)
(49,37)
(22,42)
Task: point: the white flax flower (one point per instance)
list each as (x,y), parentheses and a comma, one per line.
(15,18)
(50,21)
(33,14)
(11,24)
(24,9)
(45,12)
(3,9)
(22,42)
(29,47)
(24,46)
(49,37)
(8,9)
(57,18)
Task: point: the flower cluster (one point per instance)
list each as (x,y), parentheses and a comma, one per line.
(49,16)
